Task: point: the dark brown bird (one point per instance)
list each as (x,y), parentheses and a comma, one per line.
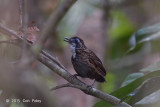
(85,62)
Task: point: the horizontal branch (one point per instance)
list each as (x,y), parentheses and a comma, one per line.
(67,76)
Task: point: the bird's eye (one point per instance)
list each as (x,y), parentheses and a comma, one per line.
(77,40)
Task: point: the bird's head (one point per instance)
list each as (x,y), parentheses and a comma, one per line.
(75,42)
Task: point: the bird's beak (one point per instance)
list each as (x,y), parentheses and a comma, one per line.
(66,39)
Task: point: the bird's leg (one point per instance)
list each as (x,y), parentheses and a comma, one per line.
(92,85)
(74,76)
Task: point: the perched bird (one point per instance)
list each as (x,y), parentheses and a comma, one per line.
(85,62)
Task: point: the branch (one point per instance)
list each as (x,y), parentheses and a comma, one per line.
(23,5)
(61,86)
(9,42)
(67,76)
(54,19)
(53,59)
(11,33)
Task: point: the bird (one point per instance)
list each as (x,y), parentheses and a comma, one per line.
(85,62)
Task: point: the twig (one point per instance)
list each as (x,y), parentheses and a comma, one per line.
(60,63)
(10,33)
(67,76)
(24,13)
(53,59)
(68,85)
(9,42)
(61,86)
(54,19)
(21,3)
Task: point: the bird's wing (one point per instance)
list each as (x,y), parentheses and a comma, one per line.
(96,63)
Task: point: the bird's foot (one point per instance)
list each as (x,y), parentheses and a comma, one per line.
(89,88)
(73,76)
(92,85)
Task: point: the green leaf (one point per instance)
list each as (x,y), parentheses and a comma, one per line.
(149,87)
(102,104)
(151,68)
(120,93)
(124,91)
(117,29)
(131,78)
(144,35)
(119,33)
(109,85)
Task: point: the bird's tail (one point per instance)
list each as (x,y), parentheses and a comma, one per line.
(100,78)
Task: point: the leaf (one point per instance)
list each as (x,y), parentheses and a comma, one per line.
(117,29)
(102,104)
(131,78)
(144,35)
(126,90)
(119,33)
(147,88)
(151,68)
(120,93)
(109,85)
(32,32)
(151,100)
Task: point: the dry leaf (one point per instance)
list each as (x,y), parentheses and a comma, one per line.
(32,33)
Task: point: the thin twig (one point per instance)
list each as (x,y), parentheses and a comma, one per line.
(21,3)
(68,85)
(53,59)
(60,63)
(10,33)
(61,86)
(9,42)
(24,28)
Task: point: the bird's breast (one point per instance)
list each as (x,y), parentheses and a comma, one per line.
(73,50)
(80,65)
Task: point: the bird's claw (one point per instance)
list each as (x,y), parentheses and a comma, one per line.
(89,88)
(73,76)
